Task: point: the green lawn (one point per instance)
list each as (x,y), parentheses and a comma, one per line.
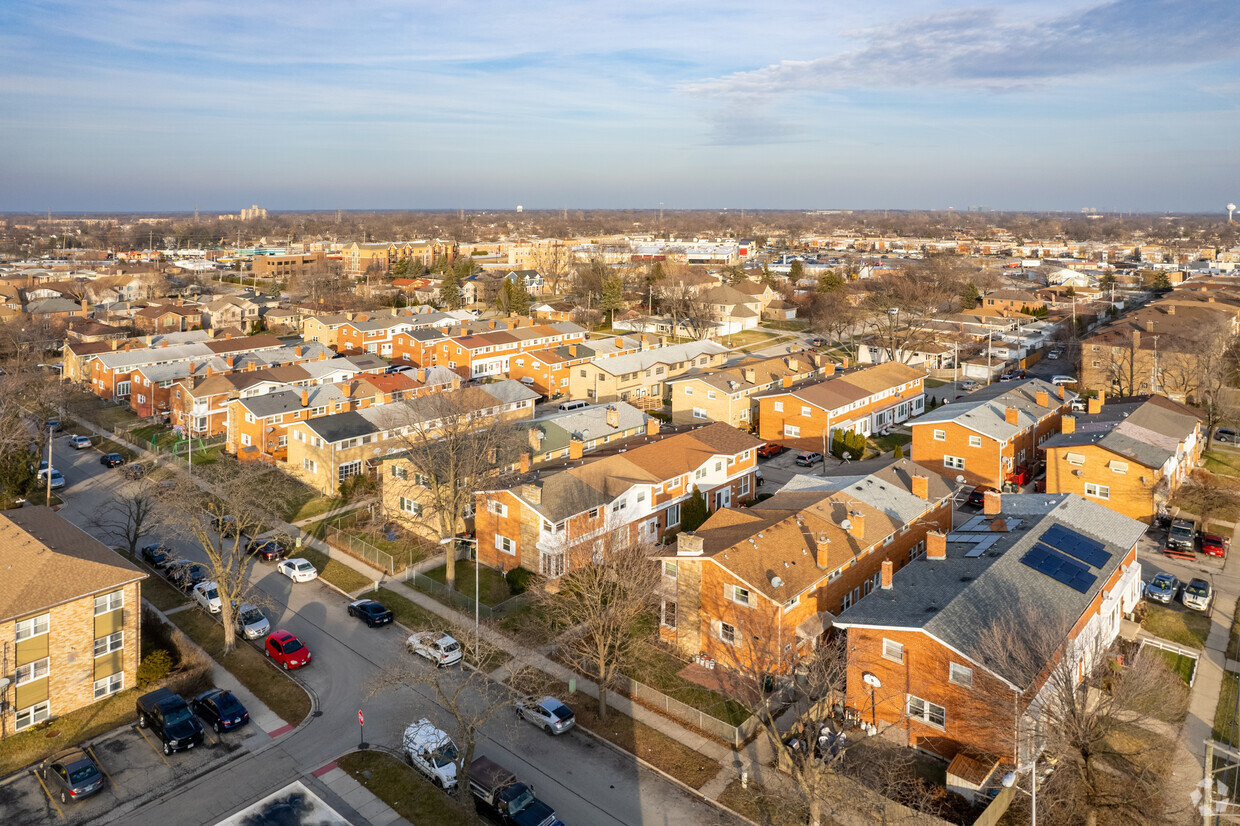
(1233,642)
(273,687)
(1226,729)
(658,669)
(492,587)
(405,549)
(26,747)
(416,618)
(1179,664)
(931,383)
(312,506)
(1224,463)
(794,325)
(337,573)
(1187,628)
(885,444)
(157,591)
(410,794)
(748,338)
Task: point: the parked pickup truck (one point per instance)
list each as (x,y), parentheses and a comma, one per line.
(503,799)
(170,717)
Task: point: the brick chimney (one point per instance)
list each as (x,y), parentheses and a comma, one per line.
(229,361)
(856,524)
(305,398)
(786,382)
(619,341)
(652,426)
(572,351)
(936,545)
(535,437)
(1149,327)
(822,548)
(532,492)
(1170,309)
(575,447)
(844,363)
(613,416)
(993,503)
(1043,399)
(1102,397)
(1067,424)
(1010,415)
(298,351)
(888,570)
(794,365)
(688,544)
(749,374)
(491,324)
(1093,406)
(525,465)
(921,486)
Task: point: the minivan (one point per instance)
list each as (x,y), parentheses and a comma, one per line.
(577,405)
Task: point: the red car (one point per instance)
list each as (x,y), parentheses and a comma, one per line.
(1214,545)
(770,449)
(287,650)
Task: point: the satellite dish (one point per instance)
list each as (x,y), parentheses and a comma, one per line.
(776,582)
(871,680)
(4,683)
(846,524)
(960,479)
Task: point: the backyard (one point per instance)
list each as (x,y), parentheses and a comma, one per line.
(360,534)
(659,669)
(491,584)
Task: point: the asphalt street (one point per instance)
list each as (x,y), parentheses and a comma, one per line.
(586,782)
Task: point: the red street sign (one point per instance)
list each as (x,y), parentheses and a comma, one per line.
(361,721)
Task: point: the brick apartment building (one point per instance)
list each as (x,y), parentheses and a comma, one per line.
(865,401)
(642,375)
(548,370)
(729,395)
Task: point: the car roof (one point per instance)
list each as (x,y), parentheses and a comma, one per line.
(282,635)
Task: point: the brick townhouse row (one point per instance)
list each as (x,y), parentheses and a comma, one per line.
(730,395)
(111,372)
(644,374)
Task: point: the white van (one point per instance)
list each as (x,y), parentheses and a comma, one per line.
(432,752)
(577,405)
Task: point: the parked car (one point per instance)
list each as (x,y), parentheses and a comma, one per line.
(1226,435)
(71,774)
(548,713)
(298,570)
(250,621)
(170,717)
(286,649)
(185,573)
(817,342)
(436,646)
(1005,377)
(54,425)
(1060,381)
(503,799)
(370,612)
(158,555)
(207,596)
(1078,406)
(80,442)
(267,550)
(432,752)
(1198,595)
(1163,588)
(1214,545)
(111,460)
(1182,535)
(968,386)
(808,459)
(58,479)
(1053,355)
(771,449)
(977,496)
(220,709)
(224,525)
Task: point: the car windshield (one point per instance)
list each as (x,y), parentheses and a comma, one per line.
(83,772)
(252,617)
(445,755)
(452,646)
(1181,530)
(305,567)
(179,715)
(1198,589)
(211,593)
(519,802)
(1162,581)
(292,645)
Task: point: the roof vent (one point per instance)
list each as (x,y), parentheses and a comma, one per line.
(930,609)
(966,579)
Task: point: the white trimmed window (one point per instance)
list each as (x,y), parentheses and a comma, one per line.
(792,603)
(699,413)
(743,488)
(669,614)
(737,594)
(106,603)
(710,394)
(953,461)
(727,633)
(109,685)
(779,407)
(792,431)
(673,516)
(927,712)
(310,465)
(960,675)
(245,439)
(805,411)
(34,714)
(503,543)
(893,650)
(688,390)
(1075,459)
(670,569)
(33,627)
(1119,467)
(940,435)
(975,441)
(110,643)
(497,508)
(410,506)
(36,670)
(1097,491)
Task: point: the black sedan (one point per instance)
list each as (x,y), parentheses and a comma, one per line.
(268,550)
(370,612)
(111,460)
(186,574)
(71,775)
(220,709)
(158,555)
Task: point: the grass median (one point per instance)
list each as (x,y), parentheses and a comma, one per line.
(416,618)
(407,792)
(337,573)
(26,747)
(276,690)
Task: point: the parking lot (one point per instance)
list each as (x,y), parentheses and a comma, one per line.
(135,765)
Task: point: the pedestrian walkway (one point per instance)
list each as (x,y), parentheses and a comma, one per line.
(359,798)
(301,523)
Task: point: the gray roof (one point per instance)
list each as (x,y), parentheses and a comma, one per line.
(985,411)
(957,598)
(367,362)
(284,401)
(1146,430)
(886,489)
(637,362)
(587,423)
(340,426)
(509,391)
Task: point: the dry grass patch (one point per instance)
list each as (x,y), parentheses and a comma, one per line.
(411,795)
(337,573)
(33,745)
(1187,628)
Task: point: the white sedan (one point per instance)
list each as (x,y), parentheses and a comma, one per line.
(207,596)
(436,646)
(298,570)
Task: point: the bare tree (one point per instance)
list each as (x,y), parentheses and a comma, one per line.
(690,313)
(900,309)
(132,515)
(606,598)
(220,509)
(1215,375)
(832,314)
(555,261)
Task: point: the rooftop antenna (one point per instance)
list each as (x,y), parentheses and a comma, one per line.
(1230,209)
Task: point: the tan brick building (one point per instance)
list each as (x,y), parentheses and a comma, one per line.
(729,395)
(69,618)
(644,374)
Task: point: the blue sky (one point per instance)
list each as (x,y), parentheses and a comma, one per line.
(905,104)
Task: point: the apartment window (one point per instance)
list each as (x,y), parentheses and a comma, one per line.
(1075,459)
(109,685)
(792,603)
(310,465)
(960,675)
(710,394)
(34,714)
(940,435)
(737,594)
(927,712)
(893,650)
(503,543)
(106,603)
(282,441)
(669,614)
(792,431)
(688,391)
(669,569)
(348,470)
(1097,491)
(245,439)
(410,506)
(33,627)
(673,516)
(727,633)
(1119,467)
(141,399)
(975,441)
(743,488)
(593,514)
(805,410)
(699,413)
(36,670)
(110,643)
(249,418)
(779,407)
(954,462)
(497,508)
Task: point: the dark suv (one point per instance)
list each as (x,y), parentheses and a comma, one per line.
(170,717)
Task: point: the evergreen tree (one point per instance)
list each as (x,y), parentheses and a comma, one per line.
(450,290)
(969,295)
(899,452)
(797,271)
(1162,283)
(613,296)
(521,299)
(831,282)
(693,513)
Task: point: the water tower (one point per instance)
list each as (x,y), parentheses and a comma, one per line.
(1230,209)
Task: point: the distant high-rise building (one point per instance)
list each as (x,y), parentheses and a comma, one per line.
(255,211)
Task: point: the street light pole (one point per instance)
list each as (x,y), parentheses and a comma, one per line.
(1009,781)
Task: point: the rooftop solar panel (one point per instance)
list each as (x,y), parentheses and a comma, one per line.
(1090,551)
(1058,567)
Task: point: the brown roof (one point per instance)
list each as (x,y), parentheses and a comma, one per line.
(239,343)
(49,561)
